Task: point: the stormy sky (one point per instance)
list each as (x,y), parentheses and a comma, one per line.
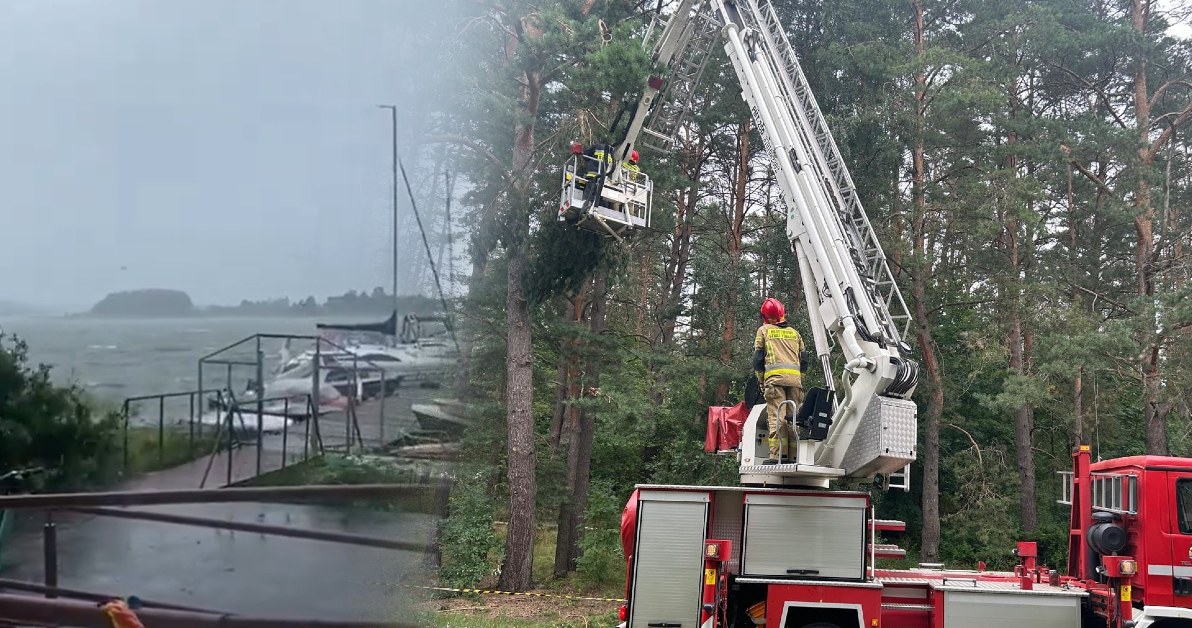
(233,149)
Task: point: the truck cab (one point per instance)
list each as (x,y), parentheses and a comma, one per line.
(1150,499)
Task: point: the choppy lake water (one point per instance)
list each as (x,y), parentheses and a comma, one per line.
(119,358)
(115,359)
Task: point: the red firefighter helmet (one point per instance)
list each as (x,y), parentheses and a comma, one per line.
(772,310)
(633,156)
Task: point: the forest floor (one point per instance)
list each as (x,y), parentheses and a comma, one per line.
(553,604)
(507,611)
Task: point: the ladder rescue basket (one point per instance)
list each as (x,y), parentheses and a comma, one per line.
(612,204)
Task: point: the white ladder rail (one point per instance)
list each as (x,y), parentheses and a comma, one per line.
(675,103)
(852,221)
(1109,492)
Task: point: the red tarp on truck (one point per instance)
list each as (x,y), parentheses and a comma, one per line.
(724,427)
(628,531)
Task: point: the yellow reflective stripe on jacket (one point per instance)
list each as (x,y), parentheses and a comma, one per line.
(782,369)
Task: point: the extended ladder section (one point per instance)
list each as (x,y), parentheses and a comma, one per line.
(1111,492)
(850,291)
(794,94)
(693,38)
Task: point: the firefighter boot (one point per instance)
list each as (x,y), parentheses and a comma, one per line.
(778,451)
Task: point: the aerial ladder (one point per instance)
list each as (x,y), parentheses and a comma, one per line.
(861,425)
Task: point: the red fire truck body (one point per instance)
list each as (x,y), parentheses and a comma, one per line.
(720,557)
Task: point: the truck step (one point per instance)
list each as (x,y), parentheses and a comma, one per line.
(885,550)
(790,470)
(887,525)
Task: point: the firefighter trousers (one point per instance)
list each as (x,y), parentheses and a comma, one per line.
(781,417)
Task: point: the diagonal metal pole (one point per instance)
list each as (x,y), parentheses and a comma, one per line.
(430,258)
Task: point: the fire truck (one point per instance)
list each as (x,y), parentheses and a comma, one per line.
(796,544)
(794,557)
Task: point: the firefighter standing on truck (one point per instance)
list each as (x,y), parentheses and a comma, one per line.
(777,351)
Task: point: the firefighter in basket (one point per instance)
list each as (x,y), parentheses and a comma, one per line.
(630,167)
(592,166)
(777,353)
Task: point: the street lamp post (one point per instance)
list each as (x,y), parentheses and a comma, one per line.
(393,110)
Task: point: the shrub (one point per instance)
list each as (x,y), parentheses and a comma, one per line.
(467,538)
(50,426)
(602,561)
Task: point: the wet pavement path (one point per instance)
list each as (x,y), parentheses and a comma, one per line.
(235,572)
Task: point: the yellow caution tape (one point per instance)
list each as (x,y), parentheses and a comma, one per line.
(484,592)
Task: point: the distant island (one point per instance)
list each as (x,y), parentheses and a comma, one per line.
(153,302)
(165,303)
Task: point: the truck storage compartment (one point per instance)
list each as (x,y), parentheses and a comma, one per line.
(804,536)
(668,567)
(1017,608)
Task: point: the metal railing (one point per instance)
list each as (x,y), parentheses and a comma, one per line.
(226,438)
(188,413)
(50,610)
(354,365)
(227,441)
(193,418)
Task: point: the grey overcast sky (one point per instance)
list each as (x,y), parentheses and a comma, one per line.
(229,148)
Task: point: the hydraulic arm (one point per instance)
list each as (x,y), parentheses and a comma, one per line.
(864,423)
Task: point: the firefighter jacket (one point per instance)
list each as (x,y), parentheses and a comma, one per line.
(631,169)
(777,350)
(593,156)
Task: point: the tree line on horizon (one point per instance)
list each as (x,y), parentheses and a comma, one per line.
(155,302)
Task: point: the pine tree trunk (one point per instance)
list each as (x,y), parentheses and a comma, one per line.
(922,270)
(565,532)
(580,465)
(560,407)
(1024,417)
(681,257)
(1154,412)
(567,383)
(579,458)
(930,539)
(675,277)
(1019,338)
(517,568)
